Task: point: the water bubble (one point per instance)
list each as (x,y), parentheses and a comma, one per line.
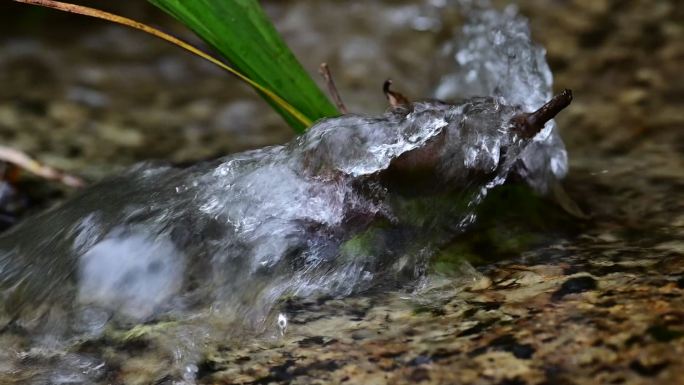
(282,323)
(190,373)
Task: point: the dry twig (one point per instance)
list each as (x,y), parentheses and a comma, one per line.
(22,160)
(325,72)
(394,98)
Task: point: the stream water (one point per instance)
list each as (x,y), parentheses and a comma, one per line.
(216,252)
(229,239)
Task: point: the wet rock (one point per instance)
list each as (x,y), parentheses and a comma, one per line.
(662,333)
(507,343)
(575,285)
(649,370)
(419,375)
(475,330)
(626,171)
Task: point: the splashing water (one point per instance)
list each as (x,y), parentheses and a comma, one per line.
(252,227)
(356,202)
(495,55)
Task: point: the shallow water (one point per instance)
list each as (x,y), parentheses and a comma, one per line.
(325,215)
(119,345)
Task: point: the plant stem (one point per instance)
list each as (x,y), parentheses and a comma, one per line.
(530,123)
(22,160)
(395,99)
(325,71)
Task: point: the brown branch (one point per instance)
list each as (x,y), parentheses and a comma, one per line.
(395,99)
(529,124)
(20,159)
(324,70)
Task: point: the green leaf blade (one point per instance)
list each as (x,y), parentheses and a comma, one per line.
(242,33)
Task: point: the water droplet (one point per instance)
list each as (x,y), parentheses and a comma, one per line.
(282,323)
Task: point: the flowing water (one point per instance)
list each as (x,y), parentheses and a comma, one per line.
(219,250)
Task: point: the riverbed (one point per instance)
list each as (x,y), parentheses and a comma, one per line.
(595,300)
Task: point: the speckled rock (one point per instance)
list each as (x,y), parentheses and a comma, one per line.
(600,304)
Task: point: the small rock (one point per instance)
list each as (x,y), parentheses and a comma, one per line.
(573,286)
